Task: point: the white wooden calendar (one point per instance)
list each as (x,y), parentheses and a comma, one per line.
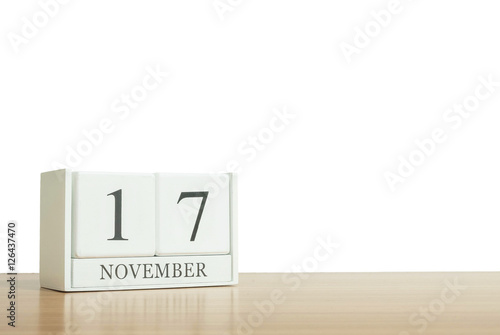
(119,231)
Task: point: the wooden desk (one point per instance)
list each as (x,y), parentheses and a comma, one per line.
(328,303)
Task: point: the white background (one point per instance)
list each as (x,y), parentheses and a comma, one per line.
(323,174)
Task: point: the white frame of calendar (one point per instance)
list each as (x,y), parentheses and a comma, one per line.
(56,264)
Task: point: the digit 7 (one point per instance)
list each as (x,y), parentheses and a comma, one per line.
(204,196)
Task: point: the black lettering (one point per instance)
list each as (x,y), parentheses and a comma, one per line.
(189,268)
(159,270)
(125,271)
(108,273)
(201,267)
(132,269)
(147,269)
(177,270)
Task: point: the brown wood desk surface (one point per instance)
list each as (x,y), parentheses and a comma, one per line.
(322,303)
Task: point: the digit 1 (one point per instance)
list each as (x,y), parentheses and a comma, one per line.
(118,216)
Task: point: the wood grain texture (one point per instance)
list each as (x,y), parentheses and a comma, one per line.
(322,303)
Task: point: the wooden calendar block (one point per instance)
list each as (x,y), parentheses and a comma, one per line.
(113,214)
(98,230)
(192,214)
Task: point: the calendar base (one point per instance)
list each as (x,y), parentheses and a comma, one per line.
(144,271)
